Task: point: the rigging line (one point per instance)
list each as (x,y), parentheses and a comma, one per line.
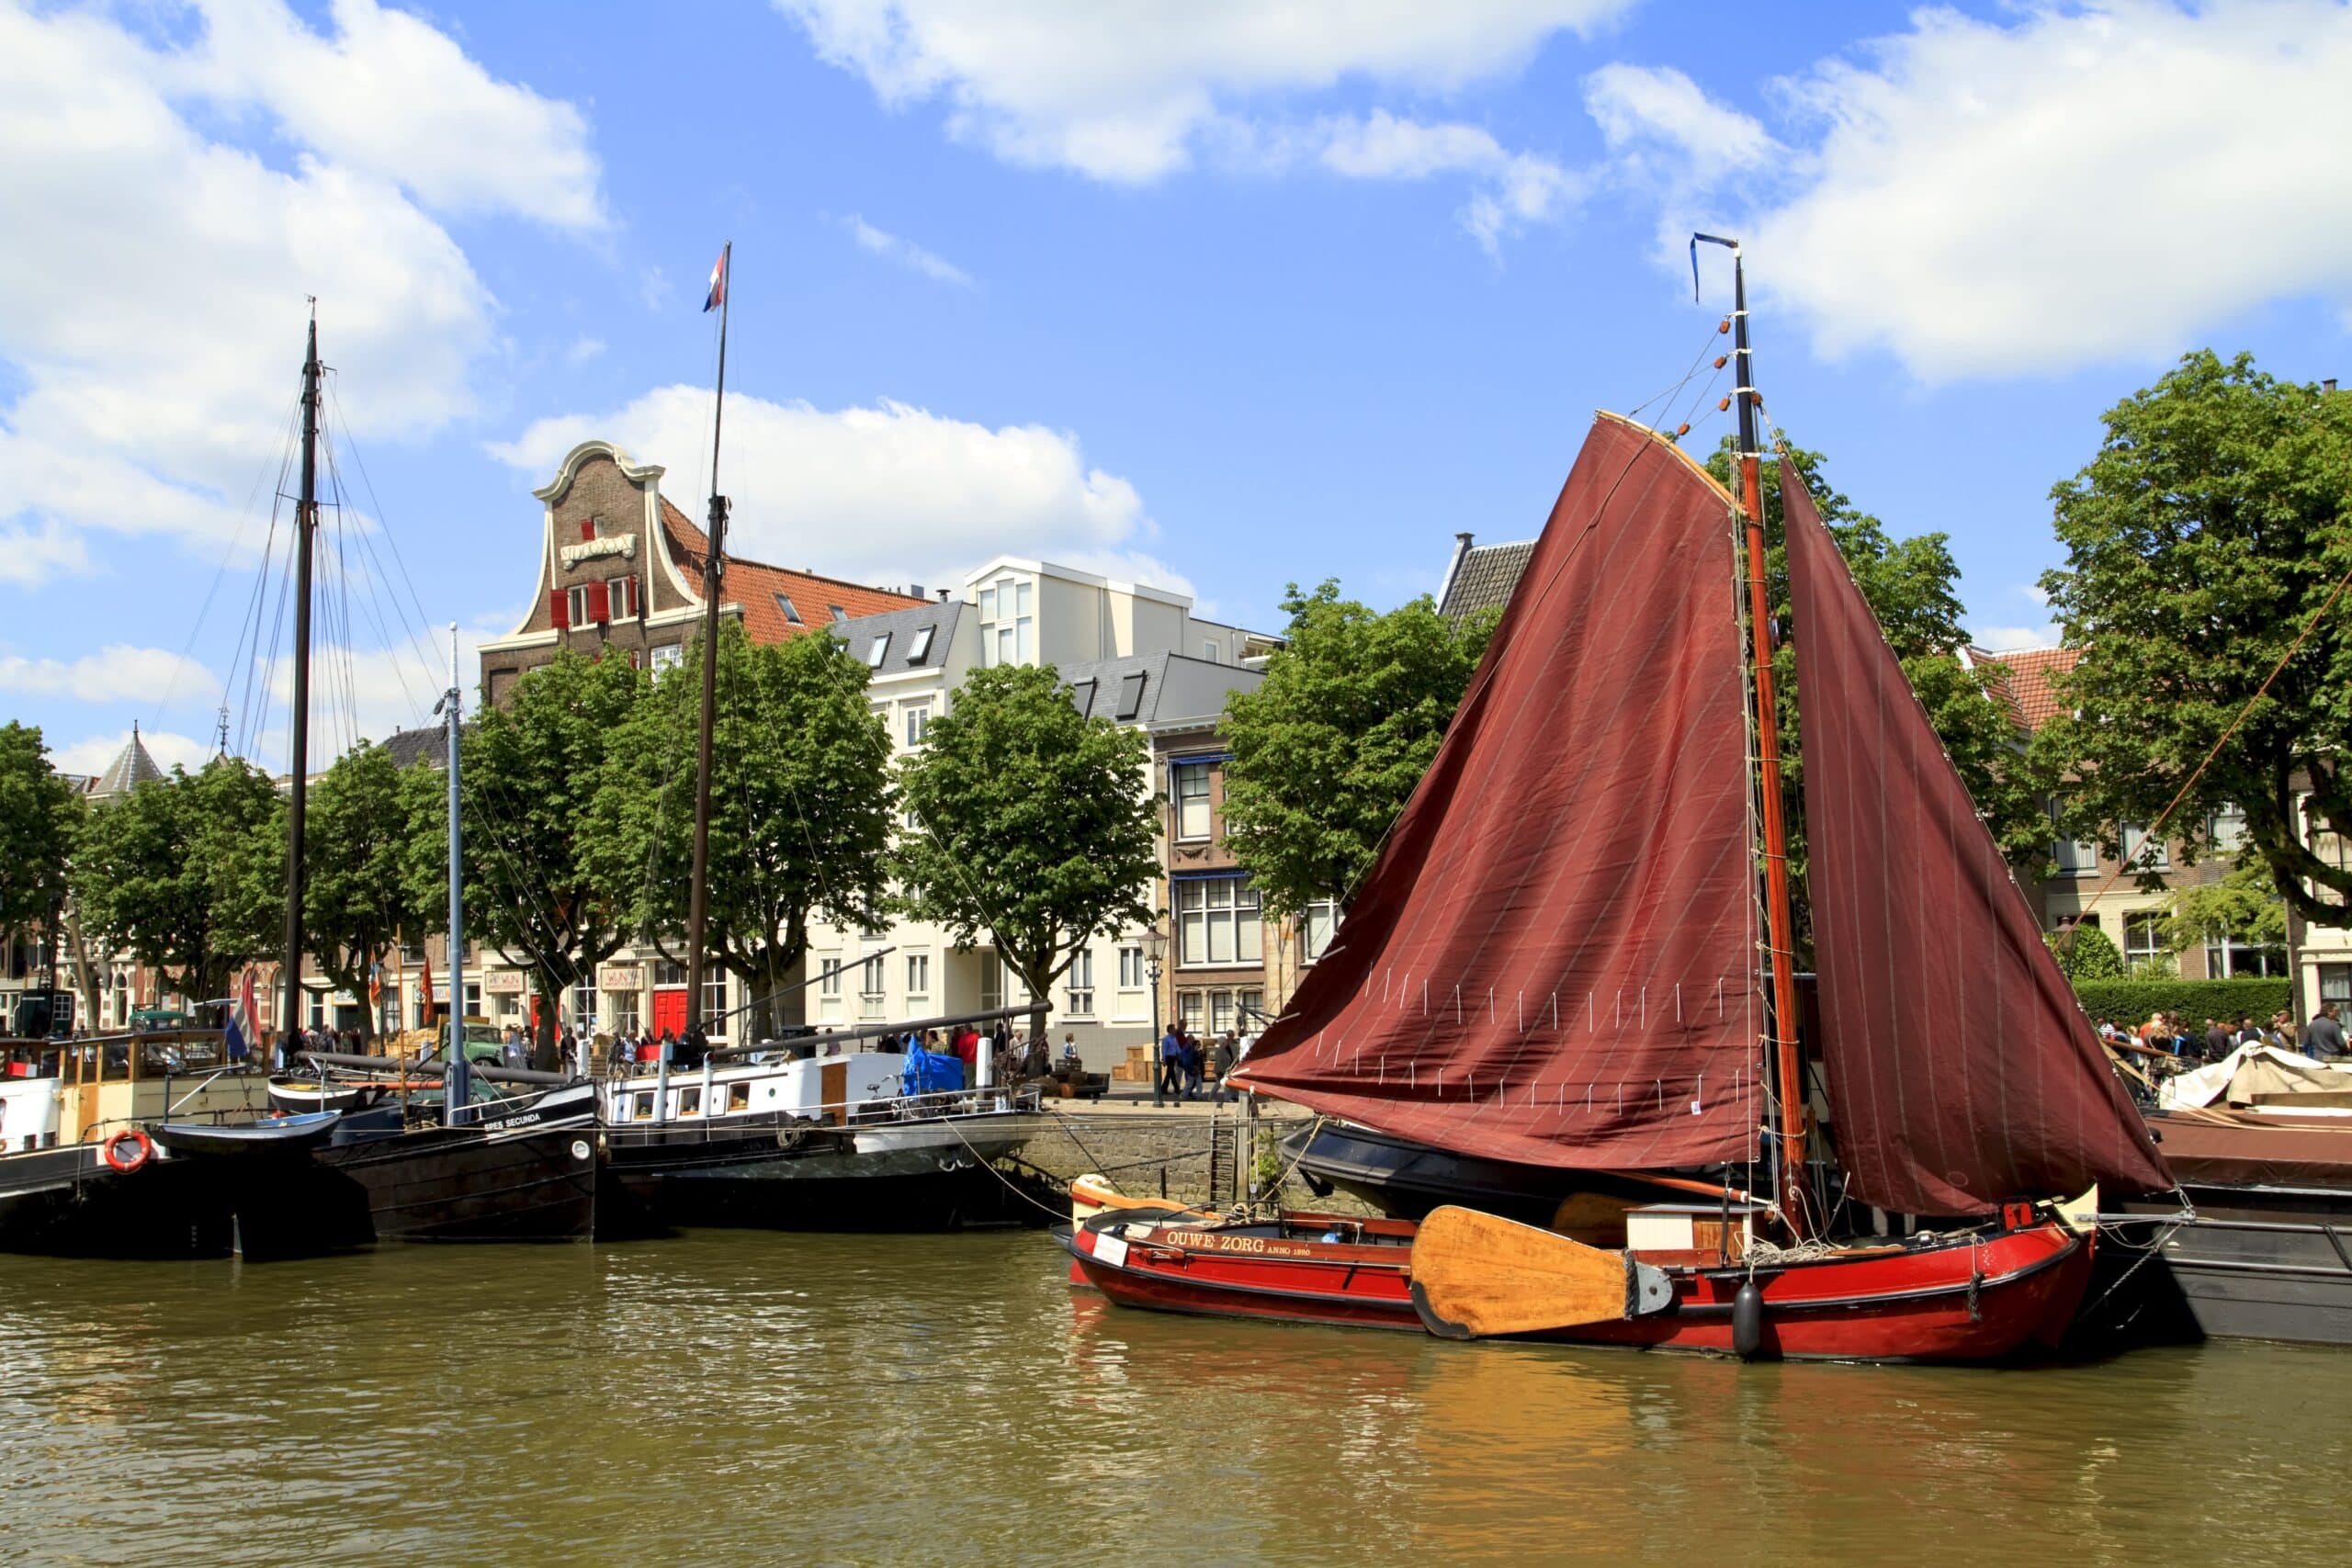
(241,656)
(2181,794)
(252,656)
(1696,360)
(219,572)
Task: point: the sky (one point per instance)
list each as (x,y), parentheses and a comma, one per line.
(1221,295)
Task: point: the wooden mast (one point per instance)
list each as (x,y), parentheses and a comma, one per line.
(1779,923)
(306,522)
(697,896)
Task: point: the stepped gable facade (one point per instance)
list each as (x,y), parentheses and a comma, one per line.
(620,573)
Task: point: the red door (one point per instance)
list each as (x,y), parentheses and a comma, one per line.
(670,1010)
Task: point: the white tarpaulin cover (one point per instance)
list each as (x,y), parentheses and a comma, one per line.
(2251,1071)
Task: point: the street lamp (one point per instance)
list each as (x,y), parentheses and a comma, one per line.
(1154,954)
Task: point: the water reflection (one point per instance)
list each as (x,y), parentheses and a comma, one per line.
(852,1399)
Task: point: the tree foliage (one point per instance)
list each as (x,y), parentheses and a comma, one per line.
(178,871)
(1328,748)
(2244,906)
(2086,952)
(529,776)
(1031,823)
(2213,522)
(800,809)
(1911,585)
(40,814)
(357,896)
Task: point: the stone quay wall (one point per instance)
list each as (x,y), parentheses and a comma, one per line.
(1187,1153)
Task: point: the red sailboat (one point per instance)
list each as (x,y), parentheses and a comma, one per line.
(1575,950)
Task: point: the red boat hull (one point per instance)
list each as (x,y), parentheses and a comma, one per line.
(1987,1296)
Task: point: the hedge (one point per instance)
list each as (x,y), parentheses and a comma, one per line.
(2129,1002)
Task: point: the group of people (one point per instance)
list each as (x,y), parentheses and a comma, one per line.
(1184,1064)
(2169,1034)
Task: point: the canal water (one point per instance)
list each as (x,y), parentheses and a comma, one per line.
(744,1397)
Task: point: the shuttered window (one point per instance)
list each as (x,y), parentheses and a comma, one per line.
(558,614)
(600,603)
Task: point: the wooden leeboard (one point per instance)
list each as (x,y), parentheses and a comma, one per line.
(1475,1275)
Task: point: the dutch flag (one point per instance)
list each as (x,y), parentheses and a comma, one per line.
(718,295)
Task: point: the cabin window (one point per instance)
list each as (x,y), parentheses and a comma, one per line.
(690,1101)
(738,1096)
(643,1110)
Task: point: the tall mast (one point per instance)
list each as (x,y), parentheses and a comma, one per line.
(697,896)
(306,522)
(457,1093)
(1780,925)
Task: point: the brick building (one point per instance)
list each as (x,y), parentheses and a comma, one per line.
(620,568)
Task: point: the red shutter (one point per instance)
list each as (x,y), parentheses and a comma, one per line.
(600,608)
(558,613)
(587,529)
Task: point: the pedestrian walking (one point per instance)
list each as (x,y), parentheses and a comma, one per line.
(1168,1072)
(1221,1062)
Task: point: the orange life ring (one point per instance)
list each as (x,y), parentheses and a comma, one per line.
(140,1146)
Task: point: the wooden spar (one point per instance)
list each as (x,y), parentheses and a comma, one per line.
(306,522)
(1779,924)
(1477,1275)
(697,895)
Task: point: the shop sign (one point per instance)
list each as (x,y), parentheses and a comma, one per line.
(504,983)
(620,977)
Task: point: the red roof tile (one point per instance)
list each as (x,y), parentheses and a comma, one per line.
(2025,675)
(755,585)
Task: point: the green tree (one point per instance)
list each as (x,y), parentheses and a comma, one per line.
(2244,906)
(2085,953)
(1911,585)
(178,871)
(40,813)
(528,773)
(800,810)
(2214,522)
(357,896)
(1032,824)
(1328,746)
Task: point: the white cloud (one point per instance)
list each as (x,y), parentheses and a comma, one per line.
(117,673)
(1123,92)
(30,557)
(152,283)
(884,494)
(583,349)
(390,96)
(1131,95)
(92,754)
(2079,184)
(1643,106)
(2012,640)
(906,253)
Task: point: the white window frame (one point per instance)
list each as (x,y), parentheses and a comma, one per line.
(1078,984)
(1187,830)
(2141,853)
(1219,923)
(1133,975)
(918,974)
(2152,923)
(1009,622)
(1317,924)
(917,717)
(829,983)
(668,656)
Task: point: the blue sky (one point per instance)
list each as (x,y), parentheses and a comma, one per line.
(1223,295)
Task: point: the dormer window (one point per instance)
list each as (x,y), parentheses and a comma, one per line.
(879,650)
(920,649)
(790,614)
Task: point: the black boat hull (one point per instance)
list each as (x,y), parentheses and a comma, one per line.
(68,1202)
(2261,1262)
(458,1184)
(1406,1180)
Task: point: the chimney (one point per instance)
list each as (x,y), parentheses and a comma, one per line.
(914,591)
(943,596)
(1461,548)
(2328,384)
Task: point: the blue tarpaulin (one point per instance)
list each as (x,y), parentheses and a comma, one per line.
(929,1072)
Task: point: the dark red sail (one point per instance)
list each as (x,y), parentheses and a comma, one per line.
(1961,1072)
(1553,959)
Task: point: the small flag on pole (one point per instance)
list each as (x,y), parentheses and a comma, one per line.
(428,988)
(718,295)
(244,1021)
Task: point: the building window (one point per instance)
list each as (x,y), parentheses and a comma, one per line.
(581,608)
(1132,974)
(621,1016)
(668,656)
(714,1004)
(2075,857)
(791,612)
(2336,983)
(2228,830)
(828,968)
(412,955)
(2143,939)
(1130,696)
(1191,800)
(869,988)
(1220,1011)
(584,1006)
(1079,982)
(1188,1011)
(668,972)
(1210,652)
(878,650)
(2233,957)
(1008,626)
(1216,922)
(920,648)
(2140,853)
(1317,922)
(918,974)
(917,721)
(837,612)
(1081,697)
(473,998)
(1251,1006)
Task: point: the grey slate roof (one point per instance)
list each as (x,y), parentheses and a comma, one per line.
(940,615)
(1175,687)
(410,747)
(1484,578)
(130,768)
